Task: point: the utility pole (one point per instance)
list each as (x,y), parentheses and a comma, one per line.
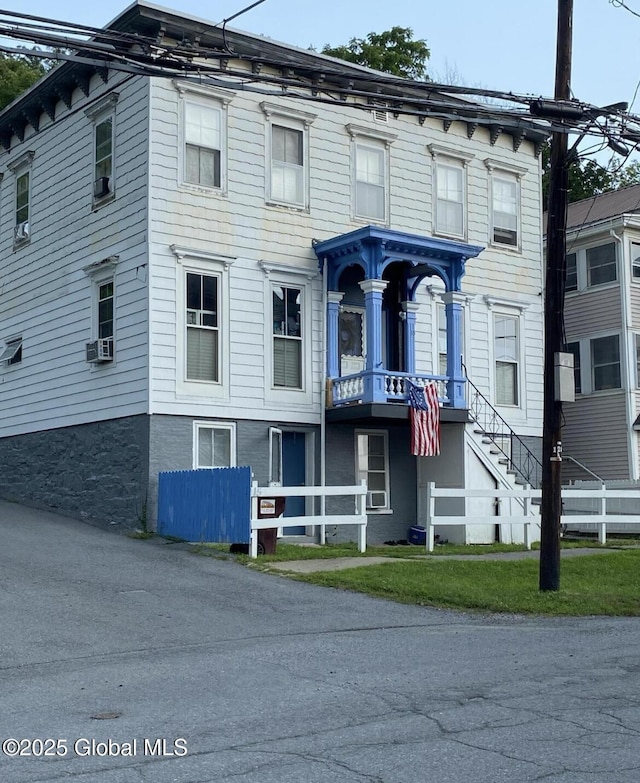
(554,317)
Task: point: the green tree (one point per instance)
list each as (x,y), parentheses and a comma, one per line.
(394,51)
(17,74)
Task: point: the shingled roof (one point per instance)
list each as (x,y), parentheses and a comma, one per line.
(625,201)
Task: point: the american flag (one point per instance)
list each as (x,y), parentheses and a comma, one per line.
(424,420)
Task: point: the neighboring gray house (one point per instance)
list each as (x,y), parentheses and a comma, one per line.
(602,324)
(233,269)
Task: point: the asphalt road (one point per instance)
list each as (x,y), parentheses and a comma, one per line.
(253,678)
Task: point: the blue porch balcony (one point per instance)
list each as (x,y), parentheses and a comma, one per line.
(373,276)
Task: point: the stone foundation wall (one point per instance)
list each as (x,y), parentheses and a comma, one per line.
(97,471)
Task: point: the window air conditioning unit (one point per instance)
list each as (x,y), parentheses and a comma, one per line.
(101,187)
(100,350)
(377,499)
(22,231)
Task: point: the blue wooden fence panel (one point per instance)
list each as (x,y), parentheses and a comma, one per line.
(205,505)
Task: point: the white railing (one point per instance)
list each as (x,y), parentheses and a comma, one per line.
(528,517)
(347,389)
(359,492)
(395,385)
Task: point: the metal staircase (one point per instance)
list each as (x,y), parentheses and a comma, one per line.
(511,450)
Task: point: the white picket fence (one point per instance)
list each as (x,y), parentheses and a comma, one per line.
(258,494)
(528,516)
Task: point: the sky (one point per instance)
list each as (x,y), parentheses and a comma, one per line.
(504,45)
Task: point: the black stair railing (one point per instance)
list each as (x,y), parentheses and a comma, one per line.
(519,458)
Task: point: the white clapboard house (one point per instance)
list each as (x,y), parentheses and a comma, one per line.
(246,267)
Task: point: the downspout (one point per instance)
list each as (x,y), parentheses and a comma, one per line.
(323,402)
(629,353)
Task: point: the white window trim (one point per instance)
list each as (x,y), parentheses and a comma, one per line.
(295,120)
(103,109)
(634,244)
(497,170)
(214,425)
(517,311)
(99,273)
(590,368)
(211,97)
(455,159)
(361,135)
(582,274)
(20,166)
(387,464)
(581,349)
(215,265)
(278,274)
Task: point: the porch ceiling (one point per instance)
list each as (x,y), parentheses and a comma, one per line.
(374,248)
(366,412)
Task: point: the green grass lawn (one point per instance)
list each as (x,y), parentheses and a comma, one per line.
(603,584)
(599,584)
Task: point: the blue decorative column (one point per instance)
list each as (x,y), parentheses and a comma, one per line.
(409,312)
(456,384)
(333,337)
(374,383)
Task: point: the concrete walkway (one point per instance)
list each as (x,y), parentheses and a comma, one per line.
(341,563)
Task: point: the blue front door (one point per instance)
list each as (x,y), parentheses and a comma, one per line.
(294,474)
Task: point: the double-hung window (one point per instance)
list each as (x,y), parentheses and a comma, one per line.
(203,135)
(203,144)
(371,173)
(102,113)
(21,168)
(605,363)
(105,314)
(506,357)
(601,264)
(450,199)
(449,169)
(287,155)
(287,336)
(372,466)
(202,328)
(505,211)
(371,185)
(505,203)
(214,445)
(287,165)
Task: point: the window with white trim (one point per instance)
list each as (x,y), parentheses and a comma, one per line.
(203,135)
(635,261)
(372,466)
(507,358)
(601,264)
(637,342)
(21,169)
(505,209)
(450,198)
(287,336)
(102,114)
(589,267)
(12,353)
(371,181)
(203,144)
(605,363)
(214,445)
(202,327)
(287,176)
